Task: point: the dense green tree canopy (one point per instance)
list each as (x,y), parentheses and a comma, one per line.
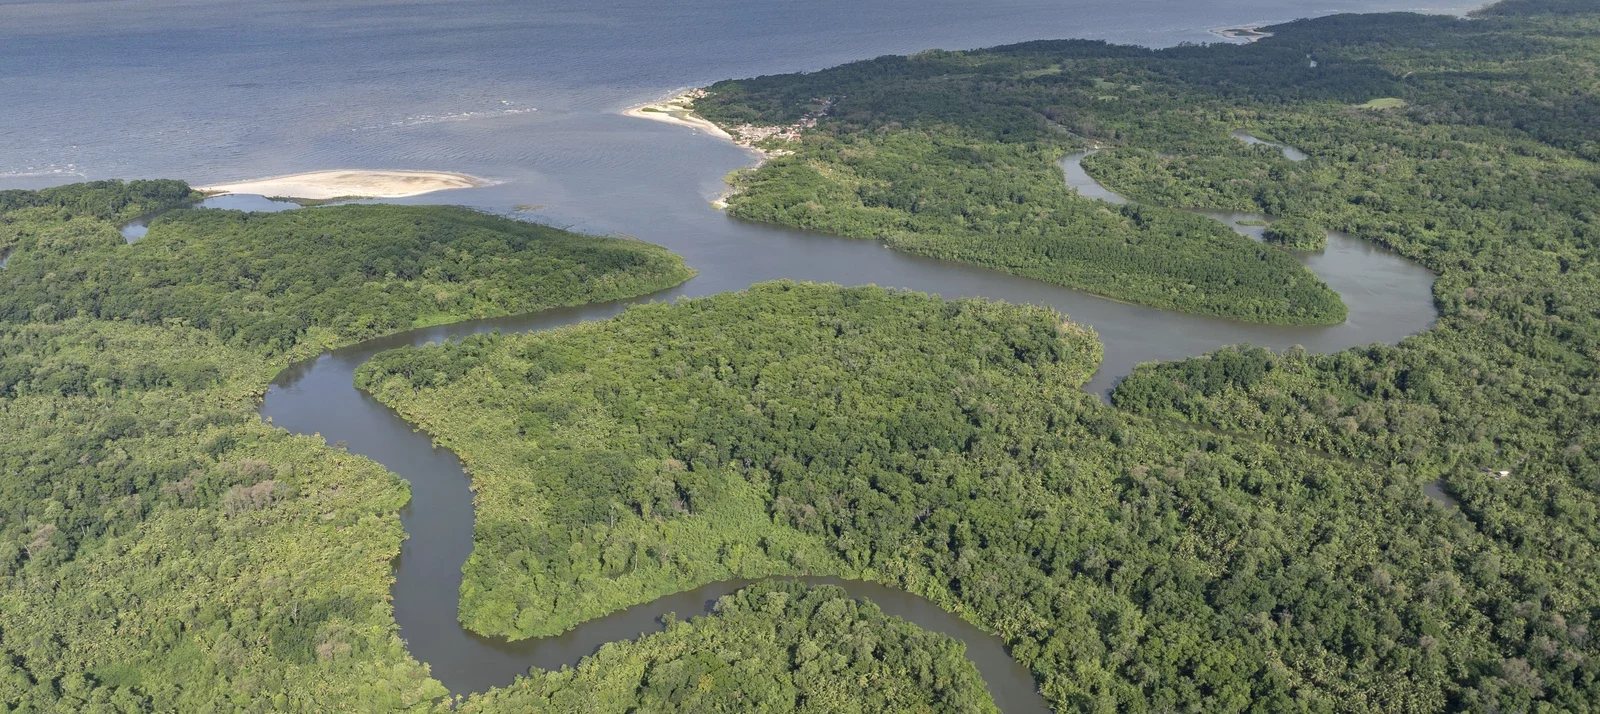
(772,648)
(1297,234)
(602,486)
(947,448)
(1243,531)
(267,279)
(162,549)
(1004,205)
(22,212)
(106,200)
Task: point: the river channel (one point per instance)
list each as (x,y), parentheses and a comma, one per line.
(1388,298)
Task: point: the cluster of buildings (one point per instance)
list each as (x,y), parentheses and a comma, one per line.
(751,135)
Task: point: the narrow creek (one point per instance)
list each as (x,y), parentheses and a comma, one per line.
(1327,263)
(1366,276)
(136,228)
(1289,152)
(1388,298)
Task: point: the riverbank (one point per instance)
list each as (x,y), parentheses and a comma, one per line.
(326,185)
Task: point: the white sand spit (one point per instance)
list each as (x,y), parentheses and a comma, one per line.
(323,185)
(1248,33)
(679,110)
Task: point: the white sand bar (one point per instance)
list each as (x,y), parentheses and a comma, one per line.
(323,185)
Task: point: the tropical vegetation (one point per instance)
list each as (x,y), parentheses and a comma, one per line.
(163,549)
(947,448)
(307,279)
(1296,234)
(995,197)
(1242,531)
(773,648)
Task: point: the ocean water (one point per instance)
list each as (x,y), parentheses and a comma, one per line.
(526,92)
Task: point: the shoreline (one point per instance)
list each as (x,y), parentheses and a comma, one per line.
(678,110)
(349,183)
(1248,33)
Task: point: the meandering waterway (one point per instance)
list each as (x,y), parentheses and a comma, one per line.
(1289,152)
(1379,287)
(1388,297)
(318,397)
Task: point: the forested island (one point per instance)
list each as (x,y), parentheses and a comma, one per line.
(607,456)
(1296,234)
(1243,531)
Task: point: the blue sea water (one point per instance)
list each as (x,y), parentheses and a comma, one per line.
(212,90)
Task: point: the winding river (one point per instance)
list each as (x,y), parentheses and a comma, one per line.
(1289,152)
(1388,298)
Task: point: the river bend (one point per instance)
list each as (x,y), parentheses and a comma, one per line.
(1388,297)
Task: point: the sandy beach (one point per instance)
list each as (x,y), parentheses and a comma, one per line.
(763,141)
(679,110)
(1248,33)
(324,185)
